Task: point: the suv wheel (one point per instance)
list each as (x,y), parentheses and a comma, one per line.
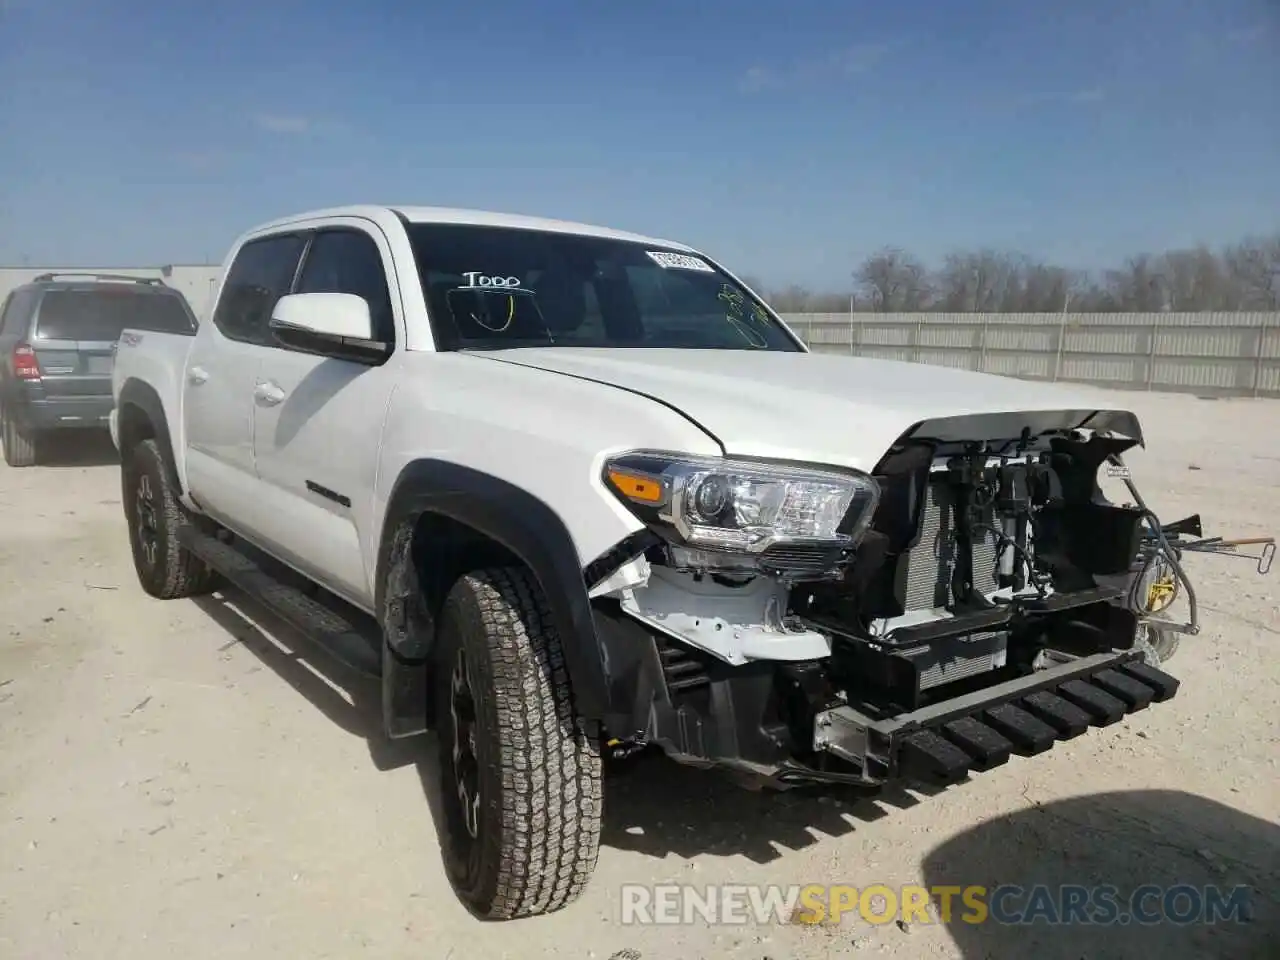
(520,772)
(19,446)
(155,515)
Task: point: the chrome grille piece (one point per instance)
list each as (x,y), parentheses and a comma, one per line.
(931,561)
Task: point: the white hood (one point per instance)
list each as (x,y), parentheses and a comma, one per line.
(825,408)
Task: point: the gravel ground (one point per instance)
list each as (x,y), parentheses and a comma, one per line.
(189,779)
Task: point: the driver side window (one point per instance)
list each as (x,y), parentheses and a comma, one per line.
(348,261)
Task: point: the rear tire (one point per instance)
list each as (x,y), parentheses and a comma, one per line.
(521,772)
(155,515)
(19,445)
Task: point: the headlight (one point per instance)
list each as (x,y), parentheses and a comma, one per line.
(743,507)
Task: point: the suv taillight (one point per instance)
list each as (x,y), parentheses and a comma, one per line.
(25,365)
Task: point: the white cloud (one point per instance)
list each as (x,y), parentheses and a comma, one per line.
(1092,95)
(849,61)
(281,123)
(203,161)
(1247,35)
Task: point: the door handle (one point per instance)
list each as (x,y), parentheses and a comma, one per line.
(197,376)
(268,394)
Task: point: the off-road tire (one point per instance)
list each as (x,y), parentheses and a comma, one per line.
(19,446)
(537,764)
(1157,646)
(165,568)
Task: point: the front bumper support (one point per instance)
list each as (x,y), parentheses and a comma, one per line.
(943,742)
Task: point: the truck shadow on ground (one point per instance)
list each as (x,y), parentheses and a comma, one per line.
(76,449)
(657,807)
(1163,838)
(350,700)
(652,805)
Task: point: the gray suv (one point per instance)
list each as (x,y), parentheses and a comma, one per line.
(58,338)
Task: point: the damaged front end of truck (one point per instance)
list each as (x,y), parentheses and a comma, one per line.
(972,597)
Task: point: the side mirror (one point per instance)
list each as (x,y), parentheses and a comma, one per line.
(332,324)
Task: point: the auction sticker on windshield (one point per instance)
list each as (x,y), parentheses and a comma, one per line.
(678,261)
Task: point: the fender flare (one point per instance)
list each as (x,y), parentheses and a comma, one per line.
(521,523)
(140,394)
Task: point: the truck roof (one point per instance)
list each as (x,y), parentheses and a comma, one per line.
(420,214)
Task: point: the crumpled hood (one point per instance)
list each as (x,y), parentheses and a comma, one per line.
(825,408)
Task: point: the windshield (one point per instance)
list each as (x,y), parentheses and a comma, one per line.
(492,287)
(100,314)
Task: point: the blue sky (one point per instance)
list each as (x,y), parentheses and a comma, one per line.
(788,139)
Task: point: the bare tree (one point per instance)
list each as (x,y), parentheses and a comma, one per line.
(1244,276)
(1050,289)
(834,302)
(794,299)
(1254,268)
(1138,285)
(893,280)
(1197,280)
(980,281)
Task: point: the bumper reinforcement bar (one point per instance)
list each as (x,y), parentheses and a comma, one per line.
(943,742)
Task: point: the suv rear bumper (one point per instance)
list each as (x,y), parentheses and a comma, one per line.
(61,413)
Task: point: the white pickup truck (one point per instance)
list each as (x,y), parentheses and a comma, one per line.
(572,492)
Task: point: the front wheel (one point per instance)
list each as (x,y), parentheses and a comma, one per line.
(520,771)
(155,515)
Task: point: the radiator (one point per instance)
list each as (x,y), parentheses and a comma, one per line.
(929,566)
(976,653)
(931,561)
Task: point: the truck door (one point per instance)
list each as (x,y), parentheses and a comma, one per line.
(318,424)
(221,373)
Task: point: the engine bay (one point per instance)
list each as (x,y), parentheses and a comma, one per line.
(995,601)
(978,562)
(982,560)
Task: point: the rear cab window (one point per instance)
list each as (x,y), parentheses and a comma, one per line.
(101,313)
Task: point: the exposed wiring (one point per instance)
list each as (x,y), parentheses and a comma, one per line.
(1193,626)
(1004,539)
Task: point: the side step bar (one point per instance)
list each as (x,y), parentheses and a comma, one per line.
(943,743)
(348,639)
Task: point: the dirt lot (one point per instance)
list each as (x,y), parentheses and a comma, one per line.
(188,779)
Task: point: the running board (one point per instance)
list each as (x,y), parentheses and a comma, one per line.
(352,642)
(943,743)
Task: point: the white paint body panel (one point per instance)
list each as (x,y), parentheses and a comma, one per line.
(326,430)
(256,429)
(217,425)
(808,407)
(335,314)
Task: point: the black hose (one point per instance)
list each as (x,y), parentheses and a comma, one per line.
(1194,626)
(1004,538)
